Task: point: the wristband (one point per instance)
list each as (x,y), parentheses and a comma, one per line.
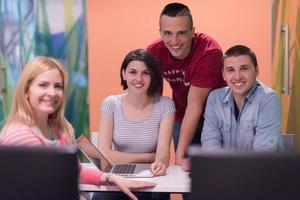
(107,178)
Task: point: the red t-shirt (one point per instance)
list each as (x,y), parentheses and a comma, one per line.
(201,68)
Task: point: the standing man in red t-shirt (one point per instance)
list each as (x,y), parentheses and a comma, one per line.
(192,64)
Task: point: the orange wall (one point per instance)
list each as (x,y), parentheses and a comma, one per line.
(115,27)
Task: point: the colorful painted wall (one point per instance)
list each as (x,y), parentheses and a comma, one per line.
(34,29)
(286,62)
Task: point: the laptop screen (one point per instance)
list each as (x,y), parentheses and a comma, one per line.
(93,154)
(38,173)
(247,176)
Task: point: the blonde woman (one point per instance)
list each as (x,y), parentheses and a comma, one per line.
(37,117)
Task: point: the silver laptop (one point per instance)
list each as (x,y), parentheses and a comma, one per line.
(95,156)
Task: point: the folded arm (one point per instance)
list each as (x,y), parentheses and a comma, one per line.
(211,134)
(268,131)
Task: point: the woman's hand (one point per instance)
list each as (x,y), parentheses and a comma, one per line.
(126,185)
(159,168)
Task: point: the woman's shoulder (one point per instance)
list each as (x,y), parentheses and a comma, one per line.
(165,104)
(16,126)
(19,134)
(113,99)
(165,100)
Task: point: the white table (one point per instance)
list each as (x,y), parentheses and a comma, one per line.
(176,181)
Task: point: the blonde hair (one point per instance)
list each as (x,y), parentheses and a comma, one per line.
(22,111)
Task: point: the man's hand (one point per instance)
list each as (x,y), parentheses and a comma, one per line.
(186,164)
(179,158)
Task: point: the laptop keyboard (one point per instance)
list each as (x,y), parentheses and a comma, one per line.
(124,169)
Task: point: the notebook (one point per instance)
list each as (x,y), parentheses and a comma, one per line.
(101,162)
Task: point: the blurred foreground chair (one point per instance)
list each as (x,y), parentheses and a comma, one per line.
(38,173)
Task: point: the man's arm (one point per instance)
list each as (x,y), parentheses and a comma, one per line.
(211,136)
(195,105)
(268,133)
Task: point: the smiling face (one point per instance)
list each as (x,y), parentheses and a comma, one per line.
(240,74)
(137,77)
(177,33)
(45,94)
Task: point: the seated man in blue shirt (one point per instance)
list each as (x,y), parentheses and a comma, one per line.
(245,115)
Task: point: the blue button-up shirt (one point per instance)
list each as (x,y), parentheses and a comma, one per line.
(257,128)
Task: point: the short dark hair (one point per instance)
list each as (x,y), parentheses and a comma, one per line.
(151,64)
(239,50)
(177,9)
